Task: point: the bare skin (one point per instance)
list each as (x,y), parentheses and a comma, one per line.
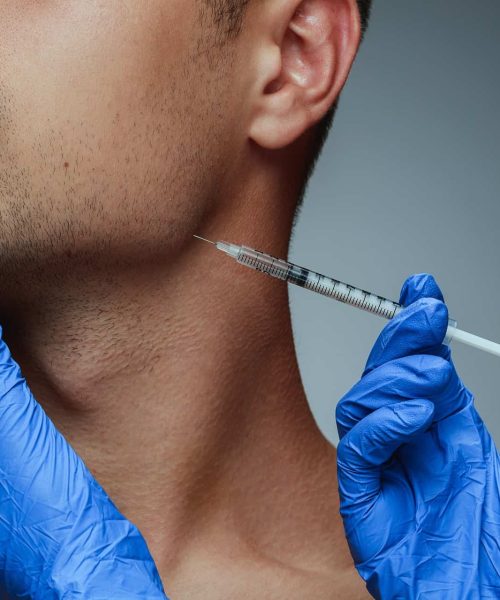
(171,370)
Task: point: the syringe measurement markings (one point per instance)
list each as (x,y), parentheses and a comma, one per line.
(324,289)
(364,302)
(258,265)
(319,286)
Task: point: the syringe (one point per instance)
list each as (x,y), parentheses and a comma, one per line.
(327,286)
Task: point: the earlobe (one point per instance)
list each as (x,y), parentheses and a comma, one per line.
(316,53)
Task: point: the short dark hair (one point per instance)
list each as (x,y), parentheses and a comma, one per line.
(228,17)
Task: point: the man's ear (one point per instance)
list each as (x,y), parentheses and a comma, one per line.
(304,61)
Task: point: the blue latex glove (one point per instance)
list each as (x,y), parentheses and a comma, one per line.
(60,534)
(419,474)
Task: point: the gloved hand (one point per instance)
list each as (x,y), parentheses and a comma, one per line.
(419,474)
(60,534)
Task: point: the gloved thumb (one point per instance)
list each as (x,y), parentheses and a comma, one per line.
(363,451)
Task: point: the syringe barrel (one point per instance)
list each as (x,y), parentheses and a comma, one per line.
(327,286)
(348,294)
(315,282)
(264,263)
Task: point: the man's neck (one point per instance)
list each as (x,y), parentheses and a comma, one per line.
(179,387)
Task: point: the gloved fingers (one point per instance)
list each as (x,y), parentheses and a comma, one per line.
(33,453)
(371,443)
(40,472)
(420,286)
(29,442)
(56,521)
(418,329)
(418,376)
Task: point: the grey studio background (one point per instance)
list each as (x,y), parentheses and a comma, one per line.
(409,182)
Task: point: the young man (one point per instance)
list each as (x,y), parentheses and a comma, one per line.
(127,127)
